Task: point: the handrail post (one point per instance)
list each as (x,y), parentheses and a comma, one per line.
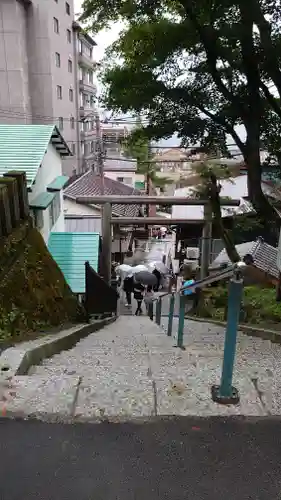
(150,310)
(225,393)
(158,311)
(171,315)
(181,321)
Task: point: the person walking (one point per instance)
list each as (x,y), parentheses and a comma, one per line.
(157,274)
(148,300)
(128,289)
(138,295)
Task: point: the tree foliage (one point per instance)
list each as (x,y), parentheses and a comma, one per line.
(137,146)
(209,189)
(199,68)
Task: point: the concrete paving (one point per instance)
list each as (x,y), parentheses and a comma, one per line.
(179,459)
(131,370)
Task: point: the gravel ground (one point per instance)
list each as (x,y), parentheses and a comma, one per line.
(132,369)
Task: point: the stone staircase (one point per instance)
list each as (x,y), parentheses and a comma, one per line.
(131,369)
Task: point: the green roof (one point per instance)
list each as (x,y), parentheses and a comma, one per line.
(22,147)
(71,251)
(42,201)
(58,183)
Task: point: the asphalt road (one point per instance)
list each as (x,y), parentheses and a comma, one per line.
(184,458)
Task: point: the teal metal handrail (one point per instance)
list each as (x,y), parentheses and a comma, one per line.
(224,393)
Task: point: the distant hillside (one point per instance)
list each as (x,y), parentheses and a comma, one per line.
(33,292)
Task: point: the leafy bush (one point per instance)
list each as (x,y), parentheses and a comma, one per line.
(258,305)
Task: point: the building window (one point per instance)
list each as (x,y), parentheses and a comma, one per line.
(92,146)
(73,148)
(67,8)
(71,95)
(56,25)
(57,58)
(82,148)
(85,126)
(90,76)
(72,124)
(59,91)
(55,209)
(86,50)
(80,47)
(70,66)
(92,101)
(61,123)
(68,35)
(125,180)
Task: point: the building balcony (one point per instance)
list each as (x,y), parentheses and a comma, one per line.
(87,87)
(87,110)
(88,134)
(86,60)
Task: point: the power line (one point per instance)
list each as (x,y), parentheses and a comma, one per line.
(8,112)
(19,115)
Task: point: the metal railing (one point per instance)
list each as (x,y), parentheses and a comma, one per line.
(224,393)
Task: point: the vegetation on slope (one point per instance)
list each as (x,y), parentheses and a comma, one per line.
(259,305)
(33,292)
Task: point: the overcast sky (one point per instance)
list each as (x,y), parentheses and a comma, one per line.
(104,38)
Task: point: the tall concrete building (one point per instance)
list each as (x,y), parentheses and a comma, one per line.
(42,54)
(87,94)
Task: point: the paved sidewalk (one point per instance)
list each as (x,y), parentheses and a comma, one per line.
(131,369)
(178,459)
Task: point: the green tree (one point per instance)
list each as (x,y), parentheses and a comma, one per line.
(138,146)
(192,72)
(209,188)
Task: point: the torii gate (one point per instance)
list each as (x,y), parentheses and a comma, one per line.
(107,219)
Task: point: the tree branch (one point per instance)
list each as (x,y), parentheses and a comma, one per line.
(270,99)
(209,40)
(271,59)
(229,129)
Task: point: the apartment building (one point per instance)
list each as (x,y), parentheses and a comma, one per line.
(87,96)
(112,137)
(45,60)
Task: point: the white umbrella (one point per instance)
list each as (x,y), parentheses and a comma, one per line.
(123,268)
(161,268)
(139,268)
(151,266)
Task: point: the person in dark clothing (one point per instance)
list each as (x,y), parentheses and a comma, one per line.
(128,288)
(138,295)
(158,277)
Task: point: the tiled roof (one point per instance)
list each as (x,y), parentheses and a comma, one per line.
(71,251)
(265,258)
(22,147)
(264,255)
(90,184)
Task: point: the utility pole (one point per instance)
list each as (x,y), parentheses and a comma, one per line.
(106,242)
(100,152)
